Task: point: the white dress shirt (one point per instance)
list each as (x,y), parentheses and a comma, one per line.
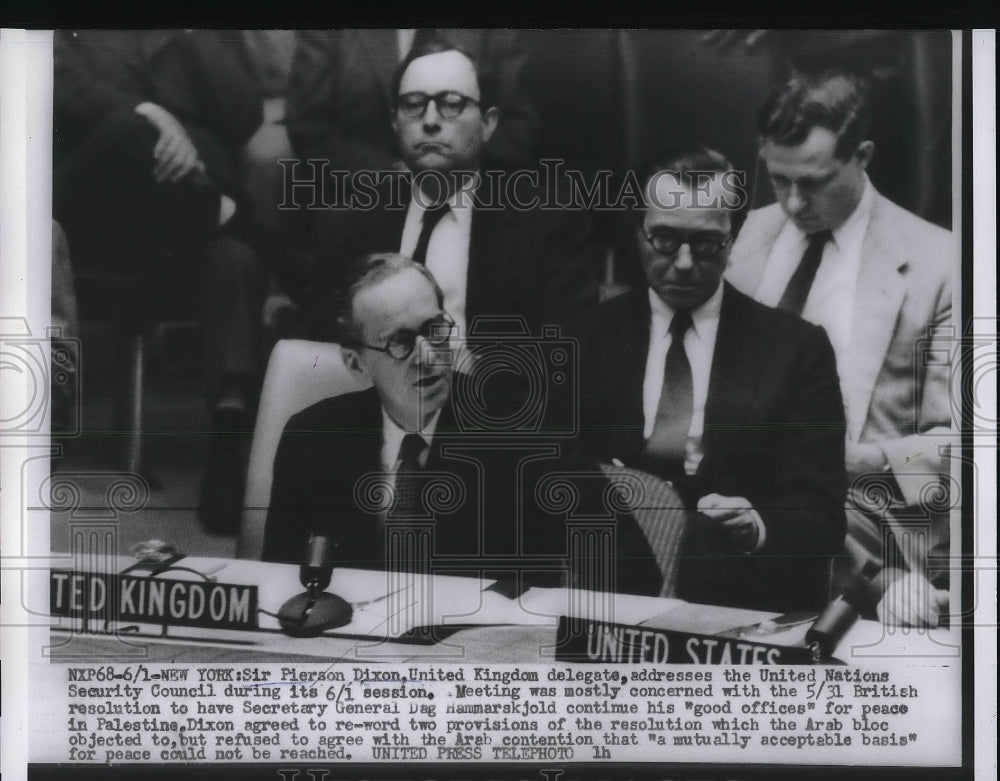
(699,344)
(447,250)
(831,297)
(392,441)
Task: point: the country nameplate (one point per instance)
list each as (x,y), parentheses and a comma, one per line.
(152,600)
(597,642)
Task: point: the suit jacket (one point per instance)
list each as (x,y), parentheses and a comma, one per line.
(326,477)
(541,265)
(903,341)
(774,427)
(340,96)
(201,77)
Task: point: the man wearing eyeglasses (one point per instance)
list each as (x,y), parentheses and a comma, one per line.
(395,335)
(340,92)
(493,251)
(735,404)
(389,318)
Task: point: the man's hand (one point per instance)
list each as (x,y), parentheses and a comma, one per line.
(912,601)
(174,153)
(865,458)
(735,518)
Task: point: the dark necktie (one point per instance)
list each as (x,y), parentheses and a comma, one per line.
(407,503)
(432,216)
(673,415)
(794,298)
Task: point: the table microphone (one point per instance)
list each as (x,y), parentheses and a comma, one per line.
(315,611)
(839,616)
(317,569)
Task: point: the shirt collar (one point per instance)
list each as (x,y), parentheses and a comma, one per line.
(459,202)
(846,233)
(663,314)
(393,434)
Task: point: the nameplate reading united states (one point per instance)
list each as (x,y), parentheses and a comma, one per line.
(112,597)
(602,643)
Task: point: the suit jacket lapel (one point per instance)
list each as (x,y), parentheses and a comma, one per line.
(490,257)
(878,297)
(632,340)
(753,251)
(386,225)
(457,527)
(736,370)
(367,425)
(447,428)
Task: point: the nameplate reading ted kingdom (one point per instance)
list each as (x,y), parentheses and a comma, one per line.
(115,597)
(601,643)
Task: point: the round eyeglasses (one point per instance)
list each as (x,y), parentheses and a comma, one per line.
(668,241)
(449,104)
(436,332)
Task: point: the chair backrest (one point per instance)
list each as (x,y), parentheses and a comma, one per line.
(299,374)
(659,511)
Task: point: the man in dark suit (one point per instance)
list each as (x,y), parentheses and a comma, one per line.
(147,129)
(341,93)
(737,404)
(337,459)
(878,279)
(148,125)
(494,252)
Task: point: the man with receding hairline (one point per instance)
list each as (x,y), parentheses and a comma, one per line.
(735,404)
(492,257)
(389,318)
(340,92)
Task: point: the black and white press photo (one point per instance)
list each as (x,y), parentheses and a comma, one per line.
(502,402)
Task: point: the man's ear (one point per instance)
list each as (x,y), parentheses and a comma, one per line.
(353,362)
(394,121)
(864,153)
(490,119)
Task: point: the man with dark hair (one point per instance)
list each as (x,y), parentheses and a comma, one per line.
(341,92)
(485,77)
(390,320)
(496,253)
(878,279)
(734,403)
